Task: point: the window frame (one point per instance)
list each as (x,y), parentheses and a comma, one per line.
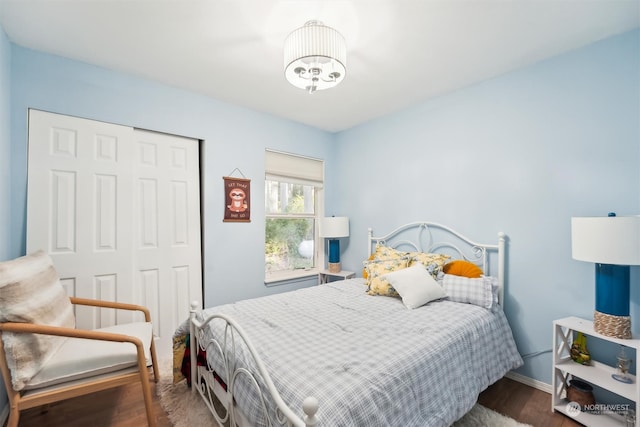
(292,176)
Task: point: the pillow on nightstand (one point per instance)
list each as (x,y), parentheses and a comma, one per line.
(415,285)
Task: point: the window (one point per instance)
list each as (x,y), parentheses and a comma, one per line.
(293,204)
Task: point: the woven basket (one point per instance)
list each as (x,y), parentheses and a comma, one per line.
(580,392)
(612,326)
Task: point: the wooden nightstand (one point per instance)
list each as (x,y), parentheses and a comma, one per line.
(324,275)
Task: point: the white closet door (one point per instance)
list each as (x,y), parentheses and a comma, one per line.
(167,227)
(77,207)
(100,201)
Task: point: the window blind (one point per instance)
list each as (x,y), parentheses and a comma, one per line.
(292,168)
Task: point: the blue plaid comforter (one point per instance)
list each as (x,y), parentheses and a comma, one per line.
(369,360)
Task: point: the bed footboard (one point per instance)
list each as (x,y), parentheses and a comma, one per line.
(217,382)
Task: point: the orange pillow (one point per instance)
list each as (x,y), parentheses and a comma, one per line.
(462,268)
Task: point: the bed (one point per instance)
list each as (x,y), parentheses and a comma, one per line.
(347,354)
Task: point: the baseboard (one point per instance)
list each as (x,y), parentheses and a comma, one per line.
(4,415)
(530,382)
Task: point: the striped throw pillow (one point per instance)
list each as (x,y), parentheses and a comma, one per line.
(31,292)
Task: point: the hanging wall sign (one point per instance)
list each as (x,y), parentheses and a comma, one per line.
(237,196)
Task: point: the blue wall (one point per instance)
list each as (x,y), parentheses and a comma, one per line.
(5,150)
(5,146)
(521,153)
(234,137)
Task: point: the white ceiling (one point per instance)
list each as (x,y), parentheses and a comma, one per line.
(399,52)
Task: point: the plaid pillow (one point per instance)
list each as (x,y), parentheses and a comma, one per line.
(482,291)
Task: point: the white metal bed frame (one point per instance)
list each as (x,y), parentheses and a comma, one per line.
(221,402)
(203,381)
(426,239)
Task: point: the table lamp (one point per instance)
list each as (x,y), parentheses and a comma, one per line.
(613,243)
(333,228)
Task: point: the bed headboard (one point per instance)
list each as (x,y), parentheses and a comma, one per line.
(437,238)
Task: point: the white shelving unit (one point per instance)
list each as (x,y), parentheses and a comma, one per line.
(597,373)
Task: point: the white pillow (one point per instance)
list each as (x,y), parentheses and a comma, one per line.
(415,285)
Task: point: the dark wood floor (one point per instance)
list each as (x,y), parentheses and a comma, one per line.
(523,403)
(124,407)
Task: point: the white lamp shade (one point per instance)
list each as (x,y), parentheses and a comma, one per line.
(334,227)
(606,240)
(315,57)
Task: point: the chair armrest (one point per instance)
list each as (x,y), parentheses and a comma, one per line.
(30,328)
(112,304)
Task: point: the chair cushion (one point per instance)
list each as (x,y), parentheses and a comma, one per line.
(80,358)
(30,292)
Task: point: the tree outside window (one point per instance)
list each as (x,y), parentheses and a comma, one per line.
(290,226)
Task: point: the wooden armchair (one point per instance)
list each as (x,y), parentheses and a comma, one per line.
(50,360)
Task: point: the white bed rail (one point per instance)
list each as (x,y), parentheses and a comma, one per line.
(434,237)
(203,381)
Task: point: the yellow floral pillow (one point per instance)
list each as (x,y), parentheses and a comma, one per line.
(387,252)
(463,268)
(434,263)
(382,287)
(382,253)
(376,268)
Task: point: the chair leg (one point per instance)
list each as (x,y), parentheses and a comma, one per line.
(14,417)
(154,362)
(146,392)
(12,395)
(146,387)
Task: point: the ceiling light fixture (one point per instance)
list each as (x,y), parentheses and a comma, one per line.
(315,57)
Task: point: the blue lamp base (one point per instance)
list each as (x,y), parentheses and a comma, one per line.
(334,256)
(612,301)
